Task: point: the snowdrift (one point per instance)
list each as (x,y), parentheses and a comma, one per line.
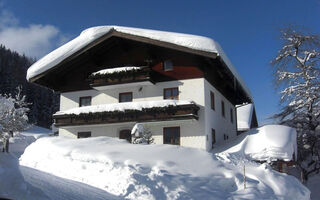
(156,171)
(25,138)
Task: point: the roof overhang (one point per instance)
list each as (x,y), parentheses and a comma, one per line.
(85,42)
(114,32)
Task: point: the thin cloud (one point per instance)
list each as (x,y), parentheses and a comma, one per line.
(7,19)
(34,40)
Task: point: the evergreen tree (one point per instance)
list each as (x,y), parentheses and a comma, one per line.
(141,134)
(13,69)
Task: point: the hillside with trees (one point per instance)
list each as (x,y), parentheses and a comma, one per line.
(13,69)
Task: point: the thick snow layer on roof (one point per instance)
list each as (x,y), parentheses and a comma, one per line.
(89,35)
(244,116)
(117,69)
(267,143)
(124,106)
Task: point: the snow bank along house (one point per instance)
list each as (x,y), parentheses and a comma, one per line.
(182,87)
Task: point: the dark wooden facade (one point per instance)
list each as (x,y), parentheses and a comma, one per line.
(118,49)
(180,112)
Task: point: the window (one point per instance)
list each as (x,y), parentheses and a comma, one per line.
(84,134)
(231,115)
(167,65)
(125,134)
(222,109)
(225,137)
(171,93)
(171,135)
(84,101)
(212,100)
(125,97)
(213,134)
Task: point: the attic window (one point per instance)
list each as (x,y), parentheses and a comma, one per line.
(167,65)
(171,93)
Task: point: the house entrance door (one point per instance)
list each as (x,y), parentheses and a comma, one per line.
(125,134)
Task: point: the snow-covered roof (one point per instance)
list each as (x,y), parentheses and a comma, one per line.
(124,106)
(244,116)
(268,143)
(90,35)
(117,69)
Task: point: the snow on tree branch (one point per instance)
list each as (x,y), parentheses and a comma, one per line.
(297,76)
(13,112)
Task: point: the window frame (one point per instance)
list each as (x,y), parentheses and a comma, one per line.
(84,97)
(179,134)
(212,100)
(213,136)
(84,132)
(125,93)
(123,132)
(165,64)
(171,96)
(231,115)
(225,137)
(223,112)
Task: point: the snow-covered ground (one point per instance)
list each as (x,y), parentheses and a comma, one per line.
(12,184)
(109,168)
(23,183)
(157,171)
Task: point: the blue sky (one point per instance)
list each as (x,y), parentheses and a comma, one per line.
(248,31)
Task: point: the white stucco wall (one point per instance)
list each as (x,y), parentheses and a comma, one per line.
(188,128)
(214,118)
(191,89)
(194,133)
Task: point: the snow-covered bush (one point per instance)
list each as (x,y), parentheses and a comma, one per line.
(13,113)
(297,75)
(141,134)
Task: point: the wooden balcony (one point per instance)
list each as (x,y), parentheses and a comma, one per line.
(122,79)
(169,113)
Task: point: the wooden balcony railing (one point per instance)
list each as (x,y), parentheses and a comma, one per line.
(179,112)
(139,75)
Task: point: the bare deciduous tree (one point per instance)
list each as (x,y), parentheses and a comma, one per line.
(297,76)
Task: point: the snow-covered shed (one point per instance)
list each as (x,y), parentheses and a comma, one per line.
(275,144)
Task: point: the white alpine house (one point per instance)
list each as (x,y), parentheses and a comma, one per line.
(182,87)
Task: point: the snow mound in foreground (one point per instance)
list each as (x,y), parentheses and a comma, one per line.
(156,171)
(267,143)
